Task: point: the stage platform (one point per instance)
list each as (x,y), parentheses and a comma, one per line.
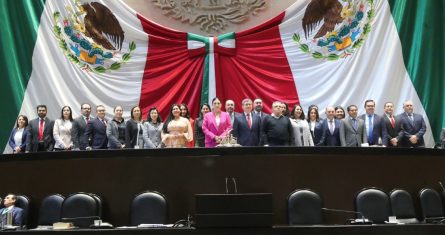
(118,175)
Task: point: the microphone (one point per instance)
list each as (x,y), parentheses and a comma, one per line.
(362,220)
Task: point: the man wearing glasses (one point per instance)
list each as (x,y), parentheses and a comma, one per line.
(352,129)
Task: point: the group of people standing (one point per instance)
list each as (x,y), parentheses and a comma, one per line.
(252,127)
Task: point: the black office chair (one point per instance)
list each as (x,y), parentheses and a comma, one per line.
(99,203)
(374,204)
(148,208)
(431,205)
(81,209)
(50,210)
(402,206)
(23,202)
(304,207)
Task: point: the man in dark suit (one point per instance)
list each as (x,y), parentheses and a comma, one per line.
(352,129)
(96,130)
(247,126)
(413,126)
(375,128)
(330,129)
(258,108)
(393,127)
(78,129)
(17,213)
(41,132)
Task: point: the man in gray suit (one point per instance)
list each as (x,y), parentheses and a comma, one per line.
(79,125)
(352,129)
(41,132)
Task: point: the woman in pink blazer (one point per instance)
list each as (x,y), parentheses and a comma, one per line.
(216,124)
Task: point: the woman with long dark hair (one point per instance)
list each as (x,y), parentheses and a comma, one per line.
(62,130)
(133,130)
(177,131)
(19,135)
(216,125)
(186,114)
(197,131)
(302,134)
(315,125)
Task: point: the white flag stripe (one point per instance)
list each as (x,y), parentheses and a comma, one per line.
(376,71)
(56,81)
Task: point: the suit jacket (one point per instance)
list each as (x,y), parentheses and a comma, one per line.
(48,140)
(328,139)
(17,216)
(247,136)
(392,132)
(113,134)
(211,130)
(25,139)
(417,127)
(349,136)
(131,133)
(96,130)
(318,131)
(77,133)
(378,130)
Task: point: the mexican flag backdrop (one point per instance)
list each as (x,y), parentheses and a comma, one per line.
(67,52)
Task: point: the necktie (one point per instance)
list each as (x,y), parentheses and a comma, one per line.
(249,121)
(105,123)
(41,130)
(370,129)
(331,126)
(410,115)
(392,121)
(87,120)
(354,123)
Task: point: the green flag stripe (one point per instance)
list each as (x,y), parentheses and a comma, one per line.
(420,25)
(19,22)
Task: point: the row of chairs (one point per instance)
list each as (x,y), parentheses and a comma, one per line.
(82,208)
(305,207)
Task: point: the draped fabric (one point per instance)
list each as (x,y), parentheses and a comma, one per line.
(19,21)
(47,58)
(421,31)
(259,68)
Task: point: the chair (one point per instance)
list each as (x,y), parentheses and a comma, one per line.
(99,203)
(374,204)
(148,208)
(430,204)
(304,207)
(81,209)
(50,210)
(402,206)
(23,202)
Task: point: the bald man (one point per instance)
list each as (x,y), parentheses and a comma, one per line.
(413,126)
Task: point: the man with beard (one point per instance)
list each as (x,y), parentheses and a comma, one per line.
(41,132)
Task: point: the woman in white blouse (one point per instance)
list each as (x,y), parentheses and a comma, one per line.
(62,130)
(19,135)
(302,133)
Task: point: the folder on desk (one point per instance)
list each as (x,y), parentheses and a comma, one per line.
(234,210)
